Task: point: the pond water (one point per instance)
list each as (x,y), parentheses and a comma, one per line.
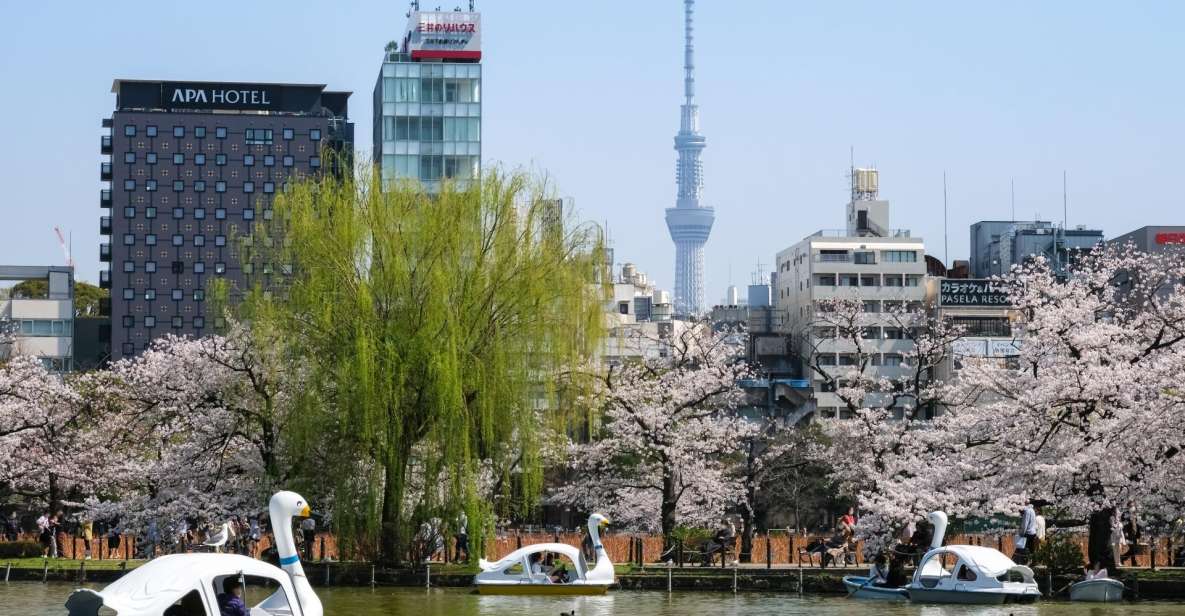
(37,599)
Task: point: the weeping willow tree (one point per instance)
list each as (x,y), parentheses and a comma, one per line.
(435,327)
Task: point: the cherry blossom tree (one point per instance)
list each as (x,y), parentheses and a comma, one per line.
(201,426)
(46,432)
(1088,415)
(660,458)
(1092,416)
(884,437)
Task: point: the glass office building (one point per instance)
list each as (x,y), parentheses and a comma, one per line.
(427,102)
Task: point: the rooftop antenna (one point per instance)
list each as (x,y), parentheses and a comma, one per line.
(852,170)
(1065,203)
(945,244)
(1013,180)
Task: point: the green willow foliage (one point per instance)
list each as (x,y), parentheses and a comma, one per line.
(436,329)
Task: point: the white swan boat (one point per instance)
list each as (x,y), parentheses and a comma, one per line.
(189,584)
(511,575)
(1100,590)
(968,574)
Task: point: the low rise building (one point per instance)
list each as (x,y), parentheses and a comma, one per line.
(40,326)
(997,245)
(867,262)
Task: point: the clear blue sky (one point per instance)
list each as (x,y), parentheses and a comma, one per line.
(590,92)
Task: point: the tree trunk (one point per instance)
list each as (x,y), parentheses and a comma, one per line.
(391,541)
(746,554)
(1098,540)
(669,503)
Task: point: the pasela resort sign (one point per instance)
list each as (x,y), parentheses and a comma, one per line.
(972,292)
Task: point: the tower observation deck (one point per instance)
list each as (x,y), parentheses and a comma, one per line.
(689,222)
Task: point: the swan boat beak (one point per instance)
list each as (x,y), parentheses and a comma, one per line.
(305,512)
(605,522)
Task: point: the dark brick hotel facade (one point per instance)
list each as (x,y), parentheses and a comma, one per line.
(193,165)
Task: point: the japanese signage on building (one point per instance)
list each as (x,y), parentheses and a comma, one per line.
(972,292)
(454,35)
(984,347)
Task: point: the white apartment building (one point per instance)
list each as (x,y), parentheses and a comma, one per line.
(638,319)
(869,262)
(43,326)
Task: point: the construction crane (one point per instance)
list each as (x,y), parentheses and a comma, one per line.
(65,248)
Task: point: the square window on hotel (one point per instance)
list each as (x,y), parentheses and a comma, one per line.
(248,187)
(315,134)
(220,186)
(177,295)
(150,131)
(178,185)
(269,187)
(219,268)
(177,323)
(129,294)
(129,157)
(199,131)
(199,186)
(220,159)
(129,239)
(220,240)
(288,161)
(199,213)
(199,267)
(248,160)
(150,212)
(199,294)
(150,185)
(199,159)
(314,161)
(220,132)
(150,158)
(178,131)
(150,239)
(199,240)
(248,214)
(288,134)
(269,161)
(129,266)
(220,213)
(128,321)
(178,213)
(129,184)
(149,321)
(129,130)
(199,322)
(178,239)
(178,159)
(150,294)
(129,212)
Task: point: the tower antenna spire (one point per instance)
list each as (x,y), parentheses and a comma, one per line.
(689,222)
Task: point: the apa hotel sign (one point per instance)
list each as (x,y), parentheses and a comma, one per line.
(189,95)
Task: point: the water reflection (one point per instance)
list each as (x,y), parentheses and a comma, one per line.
(37,599)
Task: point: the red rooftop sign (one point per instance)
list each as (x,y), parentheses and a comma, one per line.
(1170,238)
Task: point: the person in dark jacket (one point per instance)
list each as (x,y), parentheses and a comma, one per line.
(230,602)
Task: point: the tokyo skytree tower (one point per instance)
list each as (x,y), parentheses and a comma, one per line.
(689,221)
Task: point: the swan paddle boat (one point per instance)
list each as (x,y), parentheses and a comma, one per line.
(1098,589)
(968,574)
(860,588)
(512,575)
(189,584)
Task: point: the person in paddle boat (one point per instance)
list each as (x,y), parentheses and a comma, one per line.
(230,600)
(878,572)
